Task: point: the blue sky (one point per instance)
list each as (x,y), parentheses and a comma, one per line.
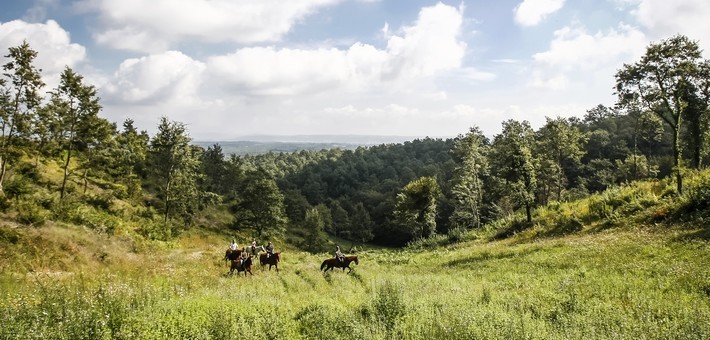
(233,68)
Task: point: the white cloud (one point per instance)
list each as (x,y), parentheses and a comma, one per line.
(169,76)
(38,12)
(282,90)
(54,48)
(532,12)
(134,24)
(429,47)
(666,18)
(574,51)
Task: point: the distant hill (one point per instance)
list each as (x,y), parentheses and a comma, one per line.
(255,147)
(257,144)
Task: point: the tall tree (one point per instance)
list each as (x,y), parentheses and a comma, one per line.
(561,146)
(214,167)
(76,106)
(315,239)
(130,156)
(260,205)
(415,209)
(174,169)
(469,153)
(512,161)
(19,99)
(360,224)
(660,83)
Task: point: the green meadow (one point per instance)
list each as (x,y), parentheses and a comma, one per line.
(623,282)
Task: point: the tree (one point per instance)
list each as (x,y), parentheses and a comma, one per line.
(260,205)
(341,220)
(130,156)
(174,169)
(560,146)
(513,162)
(214,168)
(360,225)
(314,222)
(469,152)
(76,106)
(19,99)
(661,82)
(415,209)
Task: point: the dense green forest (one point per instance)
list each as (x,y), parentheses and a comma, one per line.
(59,160)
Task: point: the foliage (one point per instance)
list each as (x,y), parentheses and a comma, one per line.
(468,189)
(415,210)
(260,206)
(666,81)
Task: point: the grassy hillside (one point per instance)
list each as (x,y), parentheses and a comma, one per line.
(628,263)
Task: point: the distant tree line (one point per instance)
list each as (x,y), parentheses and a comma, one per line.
(389,194)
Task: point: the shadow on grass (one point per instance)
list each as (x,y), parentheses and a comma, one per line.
(514,228)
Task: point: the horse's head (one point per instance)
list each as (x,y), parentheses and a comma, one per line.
(278,256)
(355,259)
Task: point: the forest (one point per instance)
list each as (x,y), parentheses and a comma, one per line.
(388,194)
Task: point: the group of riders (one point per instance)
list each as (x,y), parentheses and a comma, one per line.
(244,254)
(270,251)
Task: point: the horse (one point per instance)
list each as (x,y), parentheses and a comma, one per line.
(244,267)
(335,263)
(254,250)
(232,254)
(273,260)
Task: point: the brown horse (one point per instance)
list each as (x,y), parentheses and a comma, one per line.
(335,263)
(273,260)
(232,254)
(244,267)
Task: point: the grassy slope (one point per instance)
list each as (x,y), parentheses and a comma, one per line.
(586,269)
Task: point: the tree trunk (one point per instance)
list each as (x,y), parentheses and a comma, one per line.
(528,212)
(677,158)
(66,173)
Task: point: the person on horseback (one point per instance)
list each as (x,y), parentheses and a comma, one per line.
(242,257)
(253,246)
(339,254)
(269,250)
(234,245)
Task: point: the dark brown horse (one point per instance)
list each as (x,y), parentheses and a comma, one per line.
(232,254)
(273,260)
(244,267)
(335,263)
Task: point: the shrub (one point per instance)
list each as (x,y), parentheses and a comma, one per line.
(30,213)
(388,305)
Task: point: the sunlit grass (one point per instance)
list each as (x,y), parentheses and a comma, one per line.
(630,284)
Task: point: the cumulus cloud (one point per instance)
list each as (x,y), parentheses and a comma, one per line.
(156,78)
(429,47)
(134,24)
(532,12)
(52,43)
(666,18)
(575,51)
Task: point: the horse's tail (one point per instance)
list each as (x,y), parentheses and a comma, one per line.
(323,265)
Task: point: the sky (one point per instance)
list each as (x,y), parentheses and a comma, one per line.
(235,68)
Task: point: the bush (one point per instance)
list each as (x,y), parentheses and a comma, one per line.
(30,213)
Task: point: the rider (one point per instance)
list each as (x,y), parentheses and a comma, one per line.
(269,250)
(234,245)
(338,254)
(253,246)
(242,258)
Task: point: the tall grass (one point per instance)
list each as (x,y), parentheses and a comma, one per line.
(627,284)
